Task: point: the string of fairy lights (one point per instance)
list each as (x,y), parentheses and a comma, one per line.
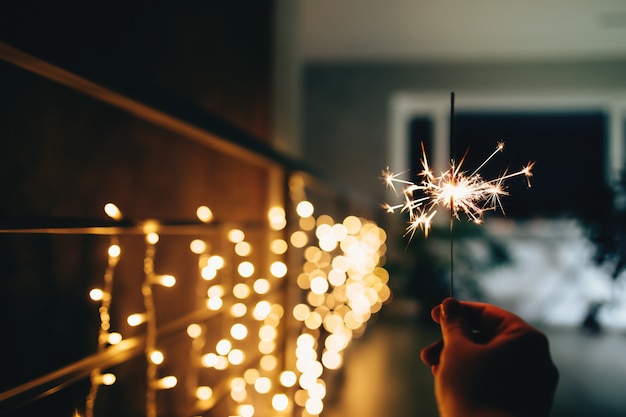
(259,364)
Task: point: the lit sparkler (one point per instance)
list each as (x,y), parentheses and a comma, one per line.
(456,190)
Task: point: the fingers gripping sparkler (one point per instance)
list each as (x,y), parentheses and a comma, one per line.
(454,189)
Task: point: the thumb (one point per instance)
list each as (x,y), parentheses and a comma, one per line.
(455,327)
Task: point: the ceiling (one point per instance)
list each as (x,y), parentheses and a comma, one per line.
(462,30)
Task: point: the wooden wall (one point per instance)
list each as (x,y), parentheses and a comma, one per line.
(64,154)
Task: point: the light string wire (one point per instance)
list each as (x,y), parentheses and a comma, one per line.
(198,337)
(105,322)
(151,325)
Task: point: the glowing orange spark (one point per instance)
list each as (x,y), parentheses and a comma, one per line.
(453,189)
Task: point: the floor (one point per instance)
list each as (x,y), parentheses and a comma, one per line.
(383,375)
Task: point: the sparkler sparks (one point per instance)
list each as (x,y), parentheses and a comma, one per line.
(454,189)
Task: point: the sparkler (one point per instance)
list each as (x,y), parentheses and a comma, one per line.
(456,190)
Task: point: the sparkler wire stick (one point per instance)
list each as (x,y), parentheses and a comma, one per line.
(452,213)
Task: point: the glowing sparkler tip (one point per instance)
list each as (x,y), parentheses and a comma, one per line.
(527,168)
(454,189)
(527,172)
(388,208)
(387,176)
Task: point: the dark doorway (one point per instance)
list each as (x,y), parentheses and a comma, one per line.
(568,148)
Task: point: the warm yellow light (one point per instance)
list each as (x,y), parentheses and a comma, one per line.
(307,380)
(328,243)
(96,294)
(315,299)
(313,320)
(280,402)
(341,263)
(306,340)
(136,319)
(319,285)
(236,235)
(114,338)
(236,356)
(307,223)
(268,362)
(149,227)
(323,231)
(208,273)
(262,385)
(278,269)
(237,384)
(288,379)
(277,218)
(266,346)
(156,357)
(152,238)
(204,393)
(340,232)
(305,209)
(204,214)
(261,286)
(165,280)
(114,251)
(215,291)
(215,262)
(313,254)
(267,332)
(245,269)
(332,359)
(107,379)
(223,346)
(261,310)
(333,322)
(194,330)
(299,239)
(325,219)
(352,224)
(315,368)
(243,249)
(279,246)
(198,246)
(166,382)
(314,406)
(214,303)
(209,360)
(221,363)
(246,410)
(353,321)
(339,339)
(239,395)
(304,281)
(239,331)
(277,311)
(336,277)
(112,211)
(300,397)
(318,391)
(241,291)
(251,375)
(238,310)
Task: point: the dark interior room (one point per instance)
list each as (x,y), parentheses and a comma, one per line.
(257,208)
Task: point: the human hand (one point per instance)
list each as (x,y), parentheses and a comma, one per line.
(489,362)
